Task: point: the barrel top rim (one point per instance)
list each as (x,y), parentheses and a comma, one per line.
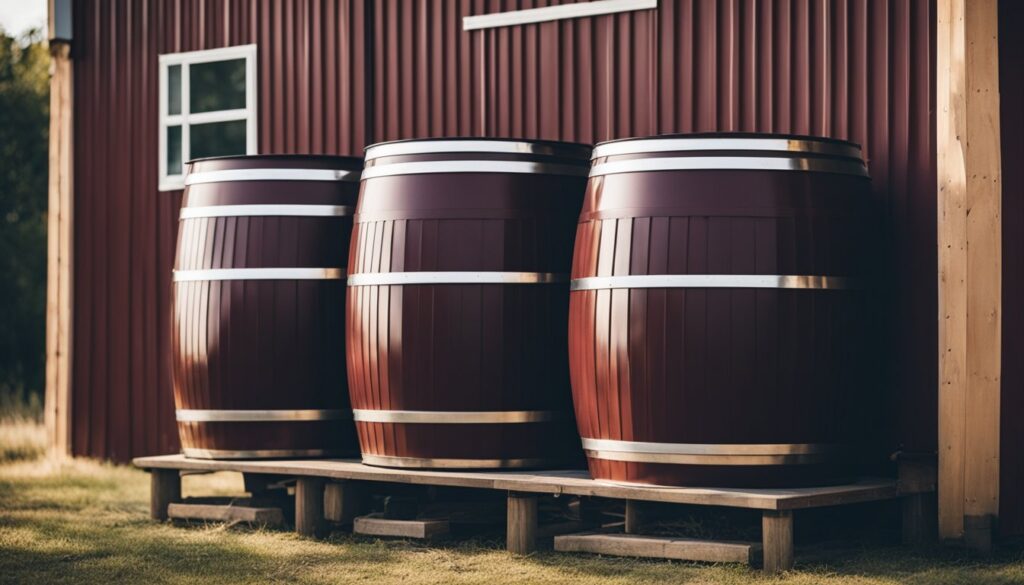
(271,157)
(569,151)
(743,135)
(482,139)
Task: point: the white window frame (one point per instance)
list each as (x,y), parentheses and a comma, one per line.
(185,118)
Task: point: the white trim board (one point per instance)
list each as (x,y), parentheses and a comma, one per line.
(549,13)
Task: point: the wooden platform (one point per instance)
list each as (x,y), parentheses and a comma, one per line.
(523,488)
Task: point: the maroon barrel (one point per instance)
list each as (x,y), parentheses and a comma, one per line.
(258,324)
(458,303)
(716,310)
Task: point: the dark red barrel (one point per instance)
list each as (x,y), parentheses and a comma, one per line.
(458,303)
(258,327)
(716,309)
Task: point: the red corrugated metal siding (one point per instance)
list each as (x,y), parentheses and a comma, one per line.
(1011,96)
(860,70)
(335,74)
(312,99)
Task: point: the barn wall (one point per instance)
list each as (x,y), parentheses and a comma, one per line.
(312,99)
(336,74)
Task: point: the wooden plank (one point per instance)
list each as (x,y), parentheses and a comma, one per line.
(777,540)
(683,549)
(970,259)
(919,512)
(571,482)
(226,513)
(60,229)
(164,490)
(521,527)
(377,525)
(309,506)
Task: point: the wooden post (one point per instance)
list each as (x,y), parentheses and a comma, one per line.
(343,501)
(309,506)
(970,261)
(777,540)
(521,532)
(917,477)
(164,490)
(59,226)
(634,517)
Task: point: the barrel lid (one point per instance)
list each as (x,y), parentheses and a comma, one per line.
(730,141)
(479,144)
(273,167)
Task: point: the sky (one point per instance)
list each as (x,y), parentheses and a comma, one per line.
(17,16)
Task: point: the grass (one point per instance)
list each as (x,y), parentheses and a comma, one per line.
(87,522)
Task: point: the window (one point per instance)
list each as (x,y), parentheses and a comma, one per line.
(207,108)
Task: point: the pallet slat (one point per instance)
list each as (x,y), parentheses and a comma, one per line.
(683,549)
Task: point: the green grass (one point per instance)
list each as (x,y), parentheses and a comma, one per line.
(86,522)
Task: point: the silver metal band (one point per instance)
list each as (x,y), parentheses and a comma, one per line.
(621,147)
(190,415)
(271,175)
(455,417)
(262,210)
(476,146)
(395,278)
(438,463)
(258,453)
(710,454)
(473,166)
(260,274)
(699,163)
(712,281)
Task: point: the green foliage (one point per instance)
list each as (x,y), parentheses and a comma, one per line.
(24,118)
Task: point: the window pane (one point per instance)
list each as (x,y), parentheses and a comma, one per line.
(174,90)
(174,150)
(219,85)
(217,138)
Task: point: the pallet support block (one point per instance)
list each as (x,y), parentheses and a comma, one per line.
(378,525)
(521,528)
(777,540)
(343,501)
(309,506)
(659,547)
(165,489)
(226,513)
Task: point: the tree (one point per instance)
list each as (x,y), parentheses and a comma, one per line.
(24,118)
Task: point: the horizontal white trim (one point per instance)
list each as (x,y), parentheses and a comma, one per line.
(564,11)
(195,453)
(398,278)
(739,163)
(262,210)
(260,274)
(620,147)
(476,146)
(712,281)
(271,175)
(473,166)
(455,417)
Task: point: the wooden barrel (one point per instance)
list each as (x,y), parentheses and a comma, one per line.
(258,324)
(458,303)
(716,309)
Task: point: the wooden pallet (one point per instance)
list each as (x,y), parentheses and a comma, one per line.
(523,489)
